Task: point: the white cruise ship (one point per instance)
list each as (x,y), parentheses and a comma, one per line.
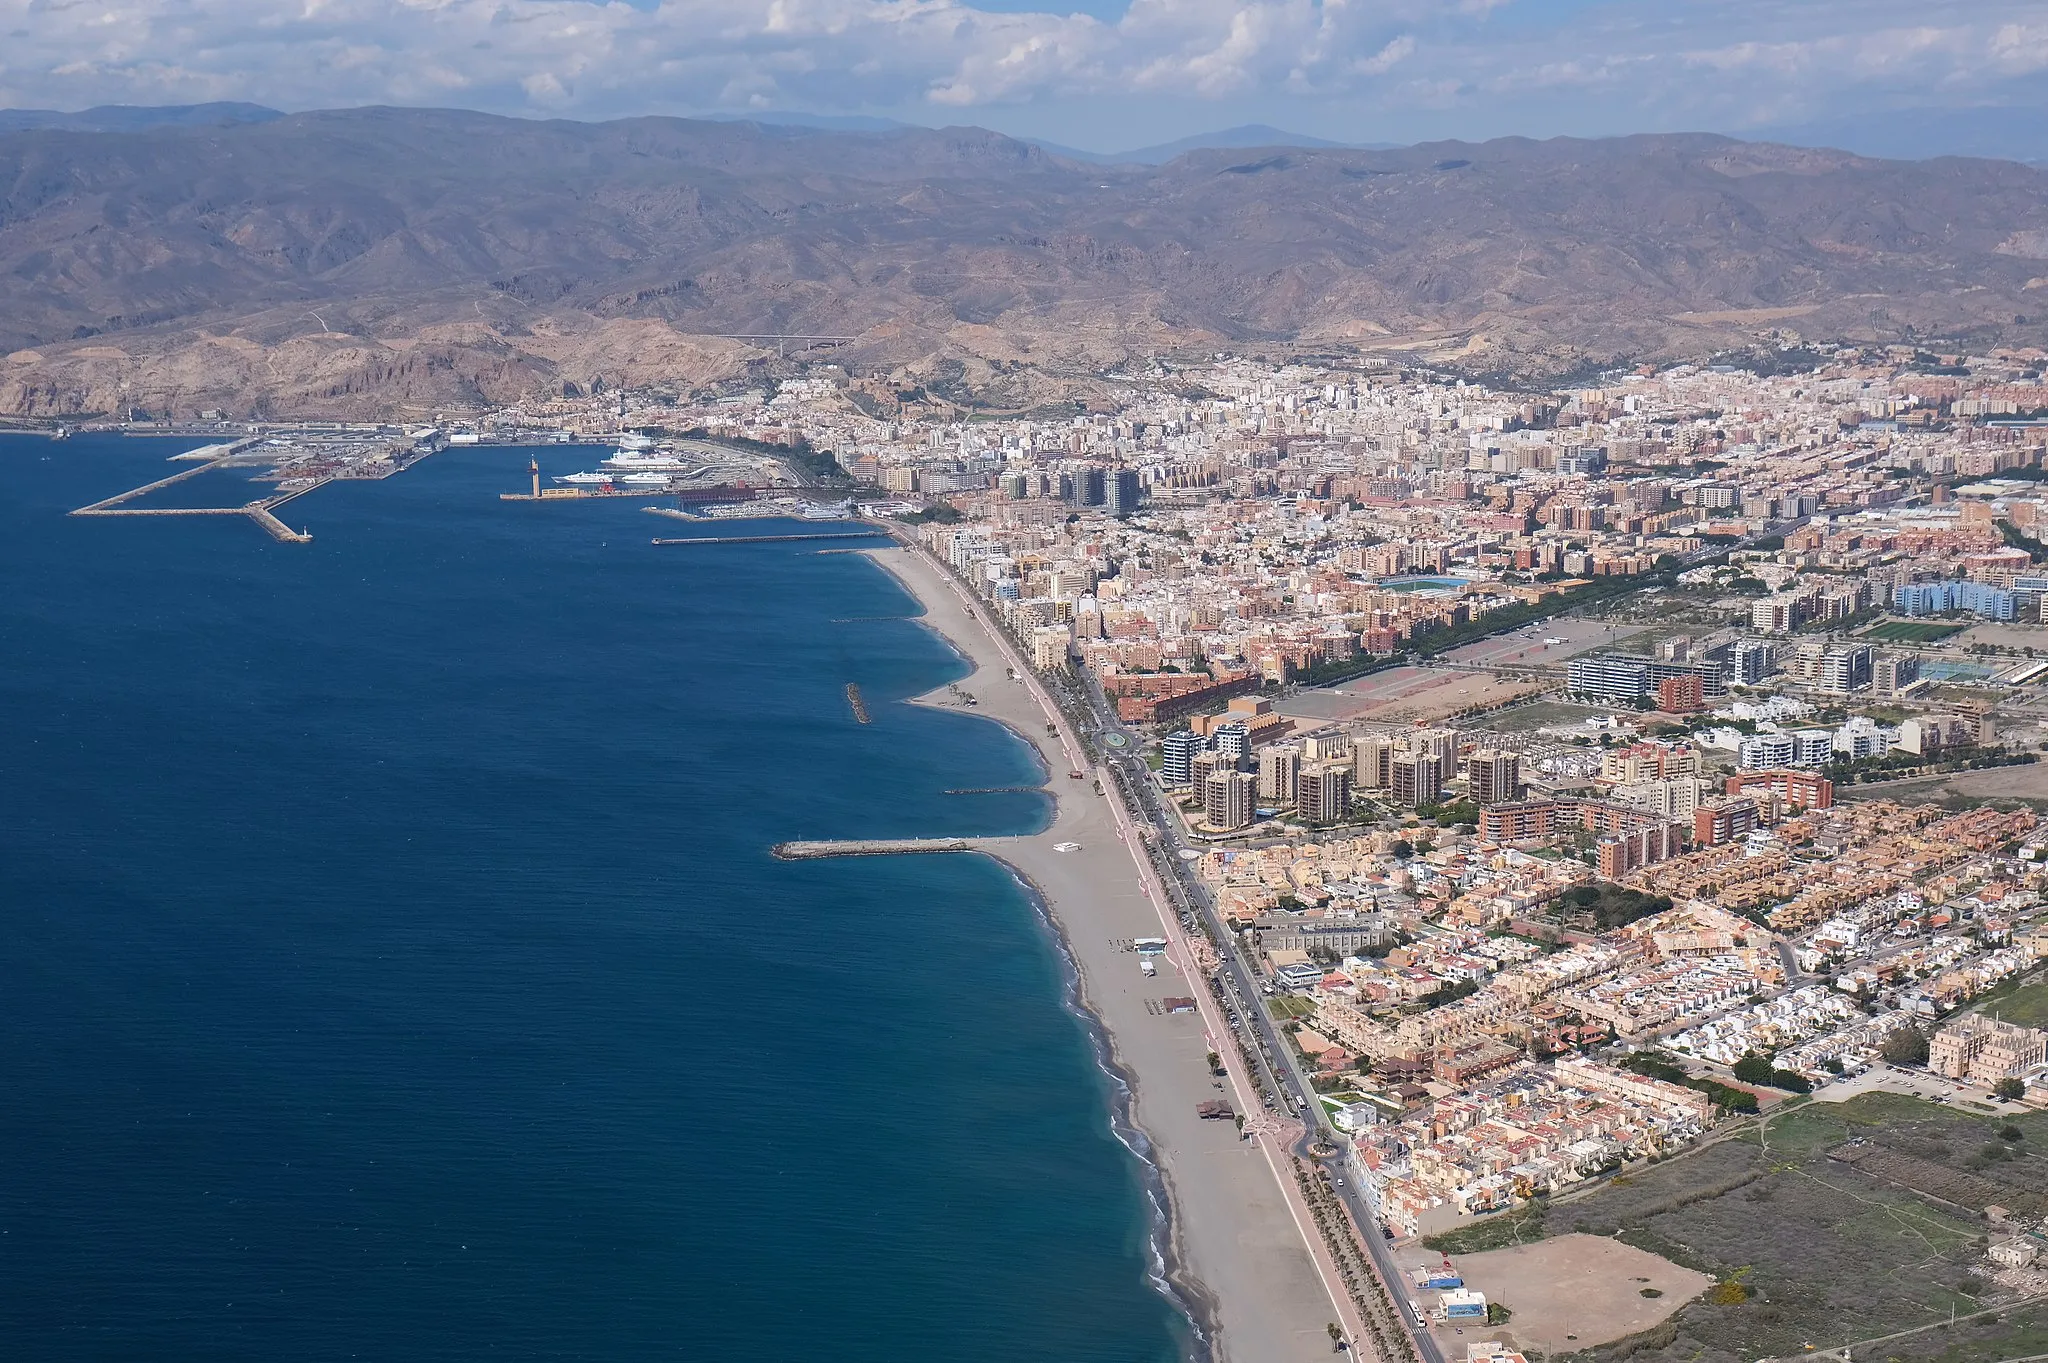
(643,463)
(586,478)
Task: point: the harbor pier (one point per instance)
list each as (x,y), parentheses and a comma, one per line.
(774,539)
(868,847)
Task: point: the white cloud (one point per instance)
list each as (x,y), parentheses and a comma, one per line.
(1387,58)
(1707,61)
(683,53)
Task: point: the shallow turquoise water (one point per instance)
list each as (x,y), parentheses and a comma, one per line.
(394,966)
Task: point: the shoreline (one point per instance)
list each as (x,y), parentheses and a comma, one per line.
(1168,1274)
(1231,1252)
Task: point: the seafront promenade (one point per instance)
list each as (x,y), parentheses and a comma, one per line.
(1244,1251)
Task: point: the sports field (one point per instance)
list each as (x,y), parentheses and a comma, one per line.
(1910,631)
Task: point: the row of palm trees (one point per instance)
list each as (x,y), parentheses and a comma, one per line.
(1390,1339)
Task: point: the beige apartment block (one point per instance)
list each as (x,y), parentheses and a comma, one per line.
(1985,1050)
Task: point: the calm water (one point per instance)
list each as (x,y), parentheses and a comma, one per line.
(393,966)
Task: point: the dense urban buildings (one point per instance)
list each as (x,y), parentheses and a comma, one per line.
(1525,742)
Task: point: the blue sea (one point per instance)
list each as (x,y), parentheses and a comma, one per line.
(394,966)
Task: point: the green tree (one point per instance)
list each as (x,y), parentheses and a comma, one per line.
(1791,1081)
(1752,1068)
(1907,1046)
(2009,1089)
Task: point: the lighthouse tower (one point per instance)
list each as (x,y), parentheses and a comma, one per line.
(533,467)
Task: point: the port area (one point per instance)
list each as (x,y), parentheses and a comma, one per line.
(695,473)
(295,459)
(711,495)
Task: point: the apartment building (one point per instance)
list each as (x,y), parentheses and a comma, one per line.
(1985,1050)
(1227,799)
(1493,775)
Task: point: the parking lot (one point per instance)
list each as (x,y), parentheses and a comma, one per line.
(1531,646)
(1882,1078)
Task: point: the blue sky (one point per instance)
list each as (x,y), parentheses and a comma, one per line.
(1099,74)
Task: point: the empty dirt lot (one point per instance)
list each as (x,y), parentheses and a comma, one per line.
(1573,1292)
(2025,782)
(1404,695)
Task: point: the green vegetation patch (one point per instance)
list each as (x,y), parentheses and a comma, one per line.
(2014,1334)
(1807,1249)
(1611,906)
(1911,631)
(2026,1004)
(1659,1065)
(1517,1227)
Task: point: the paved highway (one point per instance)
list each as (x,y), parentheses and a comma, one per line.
(1273,1054)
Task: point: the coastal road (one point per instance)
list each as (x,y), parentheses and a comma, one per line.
(1274,1142)
(1281,1075)
(1286,1078)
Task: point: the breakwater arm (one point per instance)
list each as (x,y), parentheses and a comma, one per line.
(868,847)
(774,539)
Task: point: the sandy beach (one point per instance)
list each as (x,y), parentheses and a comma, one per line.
(1255,1281)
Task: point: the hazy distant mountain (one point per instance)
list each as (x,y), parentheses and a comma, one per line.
(126,118)
(1249,135)
(407,260)
(791,118)
(1915,134)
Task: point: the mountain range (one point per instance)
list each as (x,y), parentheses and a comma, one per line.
(414,261)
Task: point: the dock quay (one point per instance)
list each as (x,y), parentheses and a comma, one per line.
(262,511)
(773,539)
(860,707)
(279,531)
(574,494)
(298,459)
(697,494)
(869,847)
